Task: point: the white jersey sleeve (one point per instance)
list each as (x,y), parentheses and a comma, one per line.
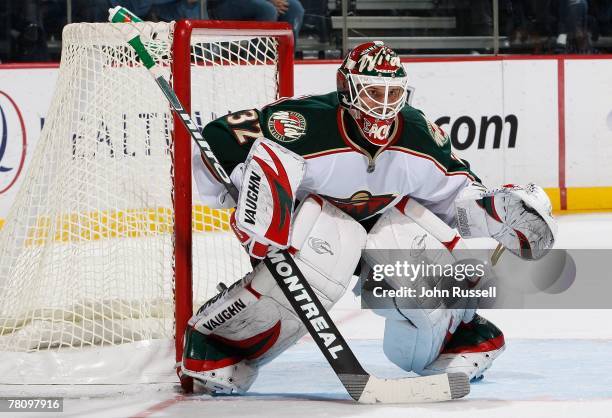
(211,192)
(438,194)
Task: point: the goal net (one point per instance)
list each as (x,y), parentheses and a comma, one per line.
(89,257)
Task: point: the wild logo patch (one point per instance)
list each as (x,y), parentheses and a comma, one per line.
(439,136)
(287,126)
(362,204)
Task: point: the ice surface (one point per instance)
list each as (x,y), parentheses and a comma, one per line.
(539,378)
(558,363)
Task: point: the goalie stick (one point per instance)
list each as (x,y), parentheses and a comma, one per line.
(360,385)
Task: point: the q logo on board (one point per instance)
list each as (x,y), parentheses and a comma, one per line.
(12,142)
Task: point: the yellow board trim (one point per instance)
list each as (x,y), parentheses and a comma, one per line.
(131,223)
(593,199)
(589,198)
(555,197)
(146,222)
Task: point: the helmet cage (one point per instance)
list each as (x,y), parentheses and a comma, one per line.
(359,96)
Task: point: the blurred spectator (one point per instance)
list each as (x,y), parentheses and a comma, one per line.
(316,21)
(54,17)
(530,19)
(541,17)
(263,10)
(164,10)
(572,21)
(518,32)
(533,24)
(27,32)
(90,10)
(506,17)
(474,17)
(601,12)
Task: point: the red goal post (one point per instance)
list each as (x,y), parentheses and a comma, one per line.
(182,64)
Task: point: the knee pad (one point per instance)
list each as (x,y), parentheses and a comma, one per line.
(413,337)
(416,340)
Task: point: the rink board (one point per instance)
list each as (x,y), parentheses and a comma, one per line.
(555,111)
(561,105)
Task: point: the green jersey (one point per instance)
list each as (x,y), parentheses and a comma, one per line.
(361,179)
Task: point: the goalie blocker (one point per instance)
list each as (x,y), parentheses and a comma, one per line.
(264,213)
(251,322)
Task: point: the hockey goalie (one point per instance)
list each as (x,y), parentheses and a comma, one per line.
(325,177)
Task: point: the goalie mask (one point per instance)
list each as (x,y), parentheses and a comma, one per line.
(372,85)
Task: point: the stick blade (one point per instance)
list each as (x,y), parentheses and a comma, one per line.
(436,388)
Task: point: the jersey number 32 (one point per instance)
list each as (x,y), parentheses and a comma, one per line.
(244,125)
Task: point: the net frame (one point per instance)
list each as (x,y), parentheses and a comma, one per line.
(181,72)
(181,154)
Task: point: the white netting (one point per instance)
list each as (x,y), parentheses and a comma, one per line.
(86,253)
